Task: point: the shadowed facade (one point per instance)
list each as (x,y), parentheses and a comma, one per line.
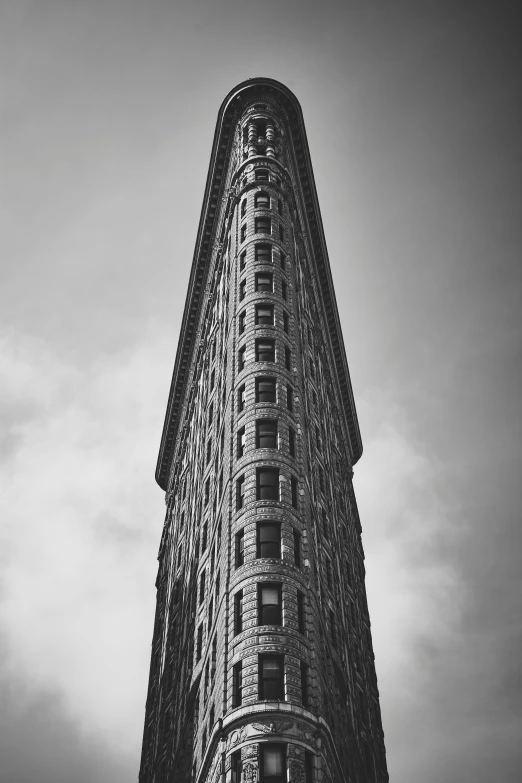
(262,666)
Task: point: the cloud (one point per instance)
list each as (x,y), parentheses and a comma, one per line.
(81,520)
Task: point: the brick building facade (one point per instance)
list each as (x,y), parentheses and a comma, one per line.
(262,667)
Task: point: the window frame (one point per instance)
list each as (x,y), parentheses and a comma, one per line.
(264,609)
(265,378)
(271,542)
(280,680)
(261,492)
(272,434)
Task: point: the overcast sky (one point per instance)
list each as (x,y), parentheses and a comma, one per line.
(108,109)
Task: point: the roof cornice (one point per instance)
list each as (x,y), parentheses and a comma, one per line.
(203,250)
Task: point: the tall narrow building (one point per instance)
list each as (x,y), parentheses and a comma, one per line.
(262,667)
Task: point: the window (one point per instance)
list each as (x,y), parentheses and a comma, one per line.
(240,492)
(241,398)
(300,612)
(243,207)
(262,200)
(266,434)
(237,684)
(199,643)
(210,413)
(213,379)
(267,484)
(262,175)
(264,315)
(271,669)
(238,612)
(243,232)
(269,604)
(264,254)
(204,740)
(202,587)
(265,350)
(263,225)
(273,763)
(291,441)
(242,290)
(241,359)
(321,479)
(297,548)
(241,442)
(304,685)
(309,767)
(207,490)
(293,484)
(204,537)
(264,282)
(284,290)
(237,767)
(289,398)
(279,206)
(242,261)
(240,548)
(265,389)
(212,718)
(288,358)
(286,321)
(281,234)
(269,539)
(242,321)
(283,261)
(209,450)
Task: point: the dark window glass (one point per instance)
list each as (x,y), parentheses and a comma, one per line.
(263,225)
(297,548)
(262,200)
(264,282)
(286,322)
(304,684)
(266,434)
(204,537)
(283,261)
(280,206)
(300,612)
(264,254)
(264,315)
(268,539)
(241,359)
(288,358)
(240,548)
(271,669)
(293,485)
(284,290)
(309,767)
(242,261)
(265,389)
(289,398)
(202,587)
(237,688)
(199,644)
(209,450)
(241,442)
(241,398)
(242,290)
(268,484)
(242,322)
(265,350)
(238,612)
(243,232)
(213,379)
(237,768)
(269,604)
(273,763)
(240,492)
(262,175)
(291,441)
(281,234)
(243,207)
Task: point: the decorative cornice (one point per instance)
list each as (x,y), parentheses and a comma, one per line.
(210,213)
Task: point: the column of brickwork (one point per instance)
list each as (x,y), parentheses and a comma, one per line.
(248,735)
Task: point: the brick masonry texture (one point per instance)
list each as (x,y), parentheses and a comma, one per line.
(212,713)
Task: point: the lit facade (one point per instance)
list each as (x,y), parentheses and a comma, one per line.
(262,667)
